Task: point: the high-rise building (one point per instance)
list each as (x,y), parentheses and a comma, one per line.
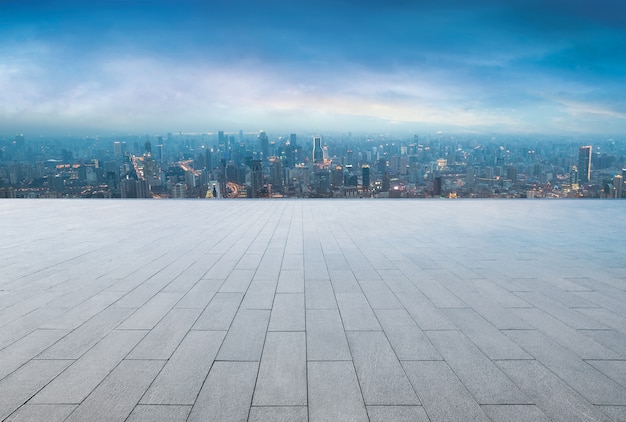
(117,149)
(618,186)
(264,145)
(257,179)
(584,164)
(365,176)
(318,152)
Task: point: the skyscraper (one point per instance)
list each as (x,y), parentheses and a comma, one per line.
(366,178)
(257,179)
(584,164)
(318,153)
(264,145)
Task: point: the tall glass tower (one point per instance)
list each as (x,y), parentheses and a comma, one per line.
(584,164)
(318,153)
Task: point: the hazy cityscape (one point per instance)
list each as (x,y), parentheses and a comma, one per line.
(267,165)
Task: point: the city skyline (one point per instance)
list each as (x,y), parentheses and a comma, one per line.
(522,67)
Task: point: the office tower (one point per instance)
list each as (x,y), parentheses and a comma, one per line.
(148,147)
(584,164)
(264,145)
(257,179)
(385,184)
(117,149)
(511,174)
(318,153)
(178,190)
(365,175)
(618,186)
(337,177)
(276,175)
(437,186)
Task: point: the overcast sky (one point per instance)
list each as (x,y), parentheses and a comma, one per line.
(509,66)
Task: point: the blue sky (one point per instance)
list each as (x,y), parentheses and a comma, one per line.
(516,66)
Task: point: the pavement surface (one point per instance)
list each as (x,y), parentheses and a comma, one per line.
(318,310)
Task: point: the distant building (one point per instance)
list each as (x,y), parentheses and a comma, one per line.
(318,152)
(365,176)
(179,191)
(618,186)
(584,164)
(257,179)
(264,145)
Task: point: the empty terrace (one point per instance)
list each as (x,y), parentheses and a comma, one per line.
(318,310)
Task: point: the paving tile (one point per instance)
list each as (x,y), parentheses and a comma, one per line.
(319,295)
(586,380)
(480,376)
(260,295)
(556,400)
(379,296)
(380,375)
(442,394)
(245,338)
(290,281)
(181,379)
(282,373)
(116,397)
(496,314)
(200,294)
(617,413)
(227,393)
(161,341)
(77,342)
(407,340)
(438,295)
(150,413)
(356,312)
(149,315)
(77,381)
(83,312)
(237,282)
(514,412)
(493,343)
(287,312)
(397,414)
(334,393)
(23,350)
(18,387)
(566,336)
(278,414)
(614,340)
(614,369)
(424,313)
(325,337)
(41,412)
(606,317)
(219,313)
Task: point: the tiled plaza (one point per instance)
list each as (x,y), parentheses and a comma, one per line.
(318,310)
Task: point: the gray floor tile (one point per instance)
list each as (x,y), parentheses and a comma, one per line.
(219,313)
(586,380)
(282,374)
(480,376)
(244,341)
(227,393)
(614,369)
(77,381)
(488,338)
(424,312)
(163,339)
(42,412)
(20,352)
(237,282)
(380,375)
(149,315)
(356,312)
(556,399)
(617,413)
(278,414)
(334,393)
(319,294)
(181,379)
(514,412)
(407,340)
(379,296)
(200,294)
(22,384)
(290,281)
(151,413)
(397,414)
(260,295)
(325,337)
(442,394)
(287,312)
(116,397)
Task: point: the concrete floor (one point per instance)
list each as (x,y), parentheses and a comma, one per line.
(320,310)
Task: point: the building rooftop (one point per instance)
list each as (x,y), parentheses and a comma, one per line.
(319,310)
